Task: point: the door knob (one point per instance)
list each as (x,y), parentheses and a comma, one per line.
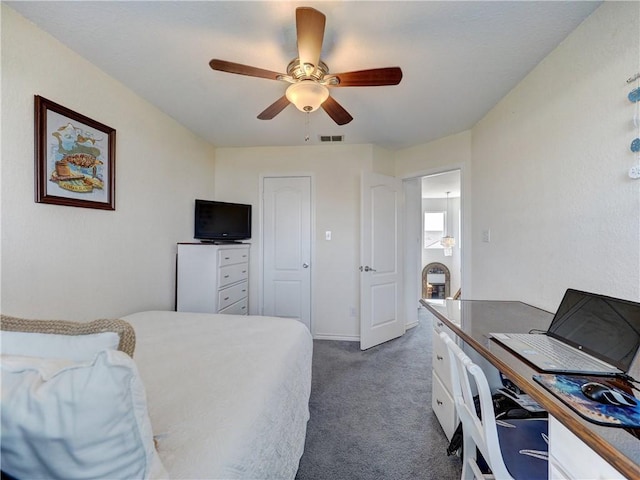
(367,268)
(305,265)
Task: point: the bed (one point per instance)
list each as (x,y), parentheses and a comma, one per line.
(205,396)
(228,395)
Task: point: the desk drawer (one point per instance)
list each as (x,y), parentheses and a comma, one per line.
(238,308)
(439,326)
(230,295)
(232,274)
(440,361)
(443,407)
(233,255)
(571,458)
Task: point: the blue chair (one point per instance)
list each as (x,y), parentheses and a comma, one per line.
(513,449)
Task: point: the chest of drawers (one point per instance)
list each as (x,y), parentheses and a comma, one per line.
(213,278)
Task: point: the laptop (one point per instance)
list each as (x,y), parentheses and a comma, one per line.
(590,334)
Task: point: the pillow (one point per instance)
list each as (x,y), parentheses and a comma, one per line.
(47,345)
(76,420)
(61,347)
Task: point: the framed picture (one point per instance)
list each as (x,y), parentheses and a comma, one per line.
(74,158)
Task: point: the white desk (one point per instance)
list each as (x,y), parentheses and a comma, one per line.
(618,449)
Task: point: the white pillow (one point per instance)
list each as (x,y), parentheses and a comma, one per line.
(49,345)
(76,420)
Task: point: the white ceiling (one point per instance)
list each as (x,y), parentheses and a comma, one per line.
(437,186)
(458,58)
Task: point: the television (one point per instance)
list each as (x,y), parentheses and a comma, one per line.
(222,221)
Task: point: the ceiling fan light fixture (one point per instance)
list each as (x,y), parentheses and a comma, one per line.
(307,95)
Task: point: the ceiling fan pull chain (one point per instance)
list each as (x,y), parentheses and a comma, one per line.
(306,127)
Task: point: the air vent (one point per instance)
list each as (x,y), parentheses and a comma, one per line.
(331,138)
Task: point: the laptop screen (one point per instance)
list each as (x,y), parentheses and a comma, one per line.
(605,327)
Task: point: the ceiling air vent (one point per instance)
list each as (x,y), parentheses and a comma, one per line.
(331,138)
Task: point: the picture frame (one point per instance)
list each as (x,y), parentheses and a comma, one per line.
(74,158)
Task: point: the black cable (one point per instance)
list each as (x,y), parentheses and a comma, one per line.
(631,381)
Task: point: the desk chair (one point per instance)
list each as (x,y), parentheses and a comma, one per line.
(513,448)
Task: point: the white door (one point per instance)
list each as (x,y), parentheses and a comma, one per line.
(381,306)
(286,247)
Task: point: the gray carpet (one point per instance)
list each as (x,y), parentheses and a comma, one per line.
(371,414)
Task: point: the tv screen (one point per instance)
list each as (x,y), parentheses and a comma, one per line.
(222,221)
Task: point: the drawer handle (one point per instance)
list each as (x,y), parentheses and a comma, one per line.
(226,298)
(243,308)
(226,276)
(438,402)
(227,258)
(439,357)
(439,324)
(244,271)
(244,290)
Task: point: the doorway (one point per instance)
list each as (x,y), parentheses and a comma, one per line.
(427,194)
(441,221)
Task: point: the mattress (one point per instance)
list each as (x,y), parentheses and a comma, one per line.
(228,395)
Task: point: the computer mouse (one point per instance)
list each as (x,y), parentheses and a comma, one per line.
(607,395)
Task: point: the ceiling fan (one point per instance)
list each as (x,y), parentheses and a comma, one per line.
(309,76)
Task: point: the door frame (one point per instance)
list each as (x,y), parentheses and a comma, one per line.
(465,227)
(260,242)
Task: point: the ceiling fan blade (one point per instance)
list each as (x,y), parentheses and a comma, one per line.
(310,28)
(274,109)
(230,67)
(336,111)
(370,78)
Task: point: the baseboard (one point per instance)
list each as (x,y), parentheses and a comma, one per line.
(329,336)
(351,338)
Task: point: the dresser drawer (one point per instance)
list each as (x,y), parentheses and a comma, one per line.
(443,407)
(232,274)
(440,361)
(232,294)
(238,308)
(233,255)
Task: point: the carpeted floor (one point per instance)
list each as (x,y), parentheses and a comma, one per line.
(371,414)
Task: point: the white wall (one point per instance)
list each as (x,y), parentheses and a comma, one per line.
(549,172)
(77,263)
(336,172)
(546,172)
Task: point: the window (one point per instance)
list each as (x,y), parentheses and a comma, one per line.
(433,229)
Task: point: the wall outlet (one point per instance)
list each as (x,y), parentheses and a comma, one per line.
(486,235)
(352,311)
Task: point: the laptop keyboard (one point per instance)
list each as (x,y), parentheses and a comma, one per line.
(558,353)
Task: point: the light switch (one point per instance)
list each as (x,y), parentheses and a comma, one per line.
(327,235)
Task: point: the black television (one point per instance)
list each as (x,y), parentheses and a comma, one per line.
(222,221)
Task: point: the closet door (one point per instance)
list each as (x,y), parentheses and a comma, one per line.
(286,244)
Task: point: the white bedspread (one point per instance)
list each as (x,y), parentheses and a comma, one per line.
(228,395)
